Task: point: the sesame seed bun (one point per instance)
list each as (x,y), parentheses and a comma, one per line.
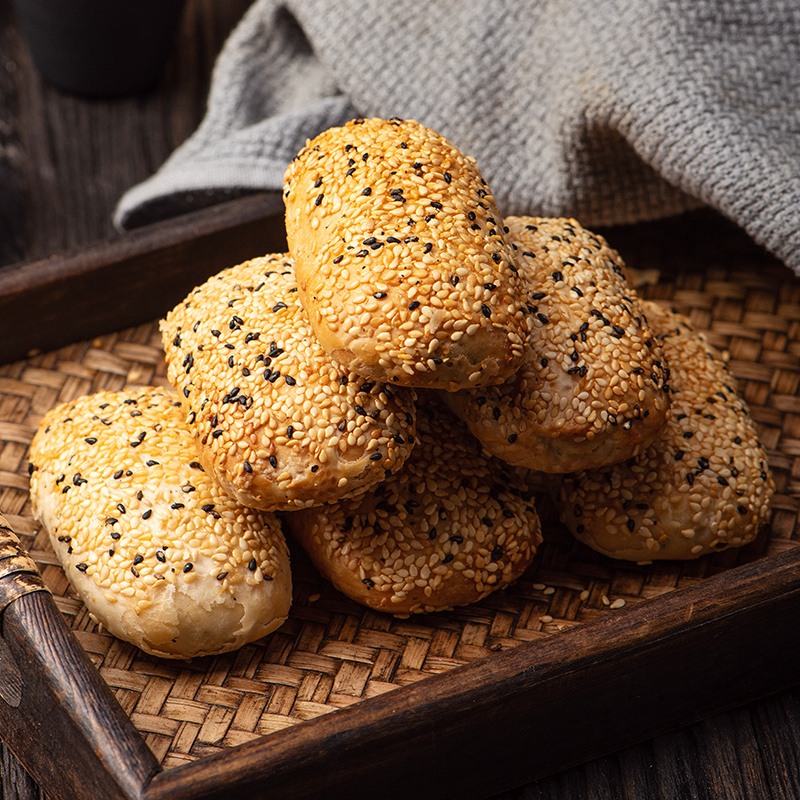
(447,529)
(158,553)
(278,423)
(702,486)
(401,257)
(593,387)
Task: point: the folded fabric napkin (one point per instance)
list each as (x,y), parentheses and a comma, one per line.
(611,111)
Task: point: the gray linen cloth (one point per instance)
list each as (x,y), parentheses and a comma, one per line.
(611,111)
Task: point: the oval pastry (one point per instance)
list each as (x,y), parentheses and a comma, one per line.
(593,387)
(447,529)
(702,486)
(278,423)
(158,553)
(401,258)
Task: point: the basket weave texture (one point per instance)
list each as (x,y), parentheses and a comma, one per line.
(332,652)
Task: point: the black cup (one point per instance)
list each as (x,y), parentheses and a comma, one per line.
(99,48)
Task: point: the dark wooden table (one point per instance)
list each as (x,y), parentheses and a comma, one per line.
(65,161)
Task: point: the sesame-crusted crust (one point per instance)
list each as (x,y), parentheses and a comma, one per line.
(401,257)
(157,551)
(702,486)
(279,423)
(593,388)
(447,529)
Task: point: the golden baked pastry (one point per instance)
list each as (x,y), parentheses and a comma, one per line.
(702,486)
(401,258)
(278,423)
(593,387)
(159,554)
(451,526)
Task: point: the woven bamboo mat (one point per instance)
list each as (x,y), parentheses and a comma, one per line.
(332,652)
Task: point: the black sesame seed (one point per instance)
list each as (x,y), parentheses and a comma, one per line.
(485,310)
(188,567)
(375,457)
(273,462)
(147,514)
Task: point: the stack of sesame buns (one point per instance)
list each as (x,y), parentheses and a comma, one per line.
(593,387)
(448,528)
(157,551)
(401,257)
(702,486)
(280,424)
(389,385)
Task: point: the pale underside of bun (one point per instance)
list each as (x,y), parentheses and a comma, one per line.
(157,551)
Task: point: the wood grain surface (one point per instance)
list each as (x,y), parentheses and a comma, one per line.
(65,161)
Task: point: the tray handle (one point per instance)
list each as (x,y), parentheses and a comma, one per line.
(57,715)
(18,572)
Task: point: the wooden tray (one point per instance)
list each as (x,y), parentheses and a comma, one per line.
(583,656)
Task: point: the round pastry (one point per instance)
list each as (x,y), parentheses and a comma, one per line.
(702,486)
(593,387)
(158,553)
(278,423)
(401,257)
(447,529)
